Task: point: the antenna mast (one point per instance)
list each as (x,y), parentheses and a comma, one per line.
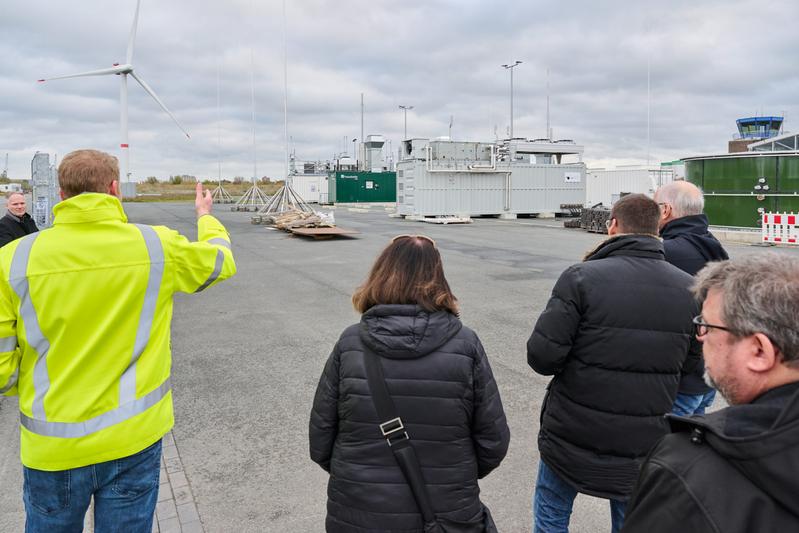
(549,132)
(285,91)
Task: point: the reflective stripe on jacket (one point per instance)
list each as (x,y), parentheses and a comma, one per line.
(85,311)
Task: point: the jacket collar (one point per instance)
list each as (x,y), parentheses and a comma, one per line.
(691,224)
(89,207)
(646,246)
(14,217)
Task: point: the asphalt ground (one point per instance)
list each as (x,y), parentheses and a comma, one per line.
(247,355)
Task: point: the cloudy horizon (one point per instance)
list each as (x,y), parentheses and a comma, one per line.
(710,63)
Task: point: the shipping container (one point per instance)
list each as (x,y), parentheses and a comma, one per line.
(442,177)
(606,185)
(310,186)
(361,187)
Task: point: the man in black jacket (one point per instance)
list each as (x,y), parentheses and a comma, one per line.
(17,223)
(615,334)
(735,470)
(689,246)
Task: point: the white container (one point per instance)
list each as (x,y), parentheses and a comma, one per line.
(511,190)
(476,178)
(309,186)
(605,186)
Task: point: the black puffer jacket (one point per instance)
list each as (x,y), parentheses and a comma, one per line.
(615,333)
(735,470)
(689,246)
(13,227)
(442,385)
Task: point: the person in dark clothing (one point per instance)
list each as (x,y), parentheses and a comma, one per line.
(615,335)
(735,470)
(17,222)
(441,383)
(689,246)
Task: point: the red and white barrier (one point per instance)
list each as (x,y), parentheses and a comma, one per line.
(780,228)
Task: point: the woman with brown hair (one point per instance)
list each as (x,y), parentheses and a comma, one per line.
(449,415)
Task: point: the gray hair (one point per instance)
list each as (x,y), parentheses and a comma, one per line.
(684,197)
(760,295)
(9,194)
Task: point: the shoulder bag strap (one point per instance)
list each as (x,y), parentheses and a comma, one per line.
(396,435)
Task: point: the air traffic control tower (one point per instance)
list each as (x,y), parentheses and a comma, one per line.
(753,129)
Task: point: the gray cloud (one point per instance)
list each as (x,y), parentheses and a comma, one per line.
(710,63)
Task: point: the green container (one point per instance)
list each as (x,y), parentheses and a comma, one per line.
(362,187)
(729,186)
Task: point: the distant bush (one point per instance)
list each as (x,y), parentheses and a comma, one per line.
(175,180)
(152,180)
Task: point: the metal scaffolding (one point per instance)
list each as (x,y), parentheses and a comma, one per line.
(285,200)
(221,196)
(253,200)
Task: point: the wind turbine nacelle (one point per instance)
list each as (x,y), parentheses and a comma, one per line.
(122,69)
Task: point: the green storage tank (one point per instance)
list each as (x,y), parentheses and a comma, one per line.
(361,187)
(739,186)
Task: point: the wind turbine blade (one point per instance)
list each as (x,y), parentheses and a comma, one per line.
(132,37)
(99,72)
(158,100)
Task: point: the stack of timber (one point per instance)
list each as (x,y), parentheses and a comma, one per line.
(296,219)
(303,223)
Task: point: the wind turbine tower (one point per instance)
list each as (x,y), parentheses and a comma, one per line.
(123,71)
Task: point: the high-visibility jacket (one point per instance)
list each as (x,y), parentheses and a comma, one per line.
(85,311)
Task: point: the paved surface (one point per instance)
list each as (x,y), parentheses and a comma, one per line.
(248,354)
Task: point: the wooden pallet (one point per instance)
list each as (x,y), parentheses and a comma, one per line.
(323,233)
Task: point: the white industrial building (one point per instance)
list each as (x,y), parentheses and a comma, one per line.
(506,178)
(605,186)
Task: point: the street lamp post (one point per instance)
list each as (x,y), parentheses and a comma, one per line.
(510,67)
(405,109)
(354,152)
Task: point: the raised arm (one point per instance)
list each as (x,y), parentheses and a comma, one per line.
(198,265)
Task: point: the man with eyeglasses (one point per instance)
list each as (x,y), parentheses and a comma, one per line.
(737,469)
(688,245)
(615,336)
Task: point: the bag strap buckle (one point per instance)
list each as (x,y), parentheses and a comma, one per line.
(390,430)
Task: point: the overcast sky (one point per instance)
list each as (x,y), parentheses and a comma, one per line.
(710,62)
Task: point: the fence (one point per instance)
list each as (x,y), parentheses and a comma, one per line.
(780,228)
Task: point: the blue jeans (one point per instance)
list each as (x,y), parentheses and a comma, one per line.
(692,404)
(125,491)
(553,502)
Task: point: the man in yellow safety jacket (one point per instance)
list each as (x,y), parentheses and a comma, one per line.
(85,311)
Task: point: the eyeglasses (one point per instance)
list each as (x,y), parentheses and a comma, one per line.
(608,222)
(424,237)
(701,327)
(662,204)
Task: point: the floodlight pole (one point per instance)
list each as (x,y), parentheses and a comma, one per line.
(511,67)
(405,109)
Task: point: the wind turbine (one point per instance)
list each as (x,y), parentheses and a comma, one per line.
(124,71)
